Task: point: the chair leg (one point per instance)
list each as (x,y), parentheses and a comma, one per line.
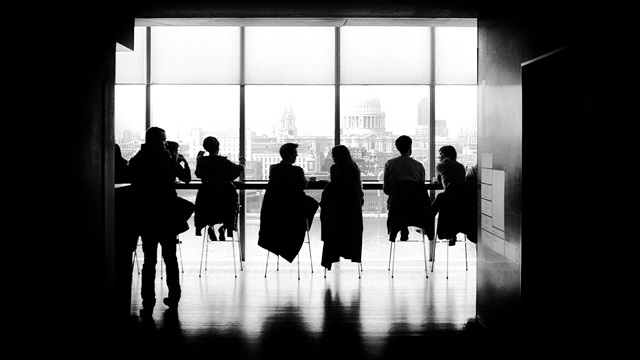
(433,253)
(447,261)
(390,250)
(233,247)
(424,250)
(298,266)
(325,273)
(180,251)
(393,264)
(465,253)
(278,264)
(204,240)
(267,265)
(239,254)
(309,242)
(358,267)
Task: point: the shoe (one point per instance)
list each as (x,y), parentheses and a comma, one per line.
(452,242)
(212,234)
(221,232)
(146,312)
(170,303)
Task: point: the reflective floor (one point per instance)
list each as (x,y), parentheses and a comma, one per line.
(349,313)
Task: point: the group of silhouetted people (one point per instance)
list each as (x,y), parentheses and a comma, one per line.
(287,211)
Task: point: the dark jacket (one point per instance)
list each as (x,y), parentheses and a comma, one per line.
(216,203)
(285,208)
(160,210)
(410,205)
(217,168)
(341,218)
(459,211)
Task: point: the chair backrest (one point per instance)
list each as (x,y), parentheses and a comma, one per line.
(410,205)
(216,203)
(459,212)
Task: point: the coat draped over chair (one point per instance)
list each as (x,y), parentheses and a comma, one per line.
(286,212)
(410,205)
(216,203)
(341,222)
(459,211)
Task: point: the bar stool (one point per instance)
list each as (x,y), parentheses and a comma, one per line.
(278,262)
(206,241)
(392,249)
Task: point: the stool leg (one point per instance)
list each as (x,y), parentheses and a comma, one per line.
(278,264)
(325,273)
(358,268)
(309,242)
(393,264)
(424,249)
(390,250)
(239,254)
(233,247)
(466,264)
(267,265)
(433,255)
(204,239)
(447,261)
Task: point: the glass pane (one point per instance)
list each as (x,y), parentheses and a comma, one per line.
(372,118)
(130,65)
(290,55)
(129,118)
(279,114)
(456,56)
(385,55)
(189,113)
(456,121)
(195,55)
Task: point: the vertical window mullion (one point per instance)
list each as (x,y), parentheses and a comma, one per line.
(147,82)
(432,110)
(337,88)
(242,140)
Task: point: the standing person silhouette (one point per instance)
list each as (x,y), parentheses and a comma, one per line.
(400,169)
(153,184)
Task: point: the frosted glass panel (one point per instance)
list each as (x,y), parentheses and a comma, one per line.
(385,55)
(189,113)
(290,55)
(129,118)
(130,65)
(456,56)
(195,55)
(457,121)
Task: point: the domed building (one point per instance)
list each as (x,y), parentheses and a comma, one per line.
(363,125)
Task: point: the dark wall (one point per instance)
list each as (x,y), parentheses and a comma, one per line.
(545,92)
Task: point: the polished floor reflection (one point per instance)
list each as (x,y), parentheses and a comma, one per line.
(373,316)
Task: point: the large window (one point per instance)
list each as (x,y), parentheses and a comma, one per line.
(255,88)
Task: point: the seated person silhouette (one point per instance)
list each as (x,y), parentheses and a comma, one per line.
(449,171)
(179,165)
(217,199)
(287,212)
(408,202)
(341,210)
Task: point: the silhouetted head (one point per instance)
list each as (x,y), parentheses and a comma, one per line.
(341,154)
(155,136)
(172,147)
(448,152)
(403,144)
(289,152)
(211,144)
